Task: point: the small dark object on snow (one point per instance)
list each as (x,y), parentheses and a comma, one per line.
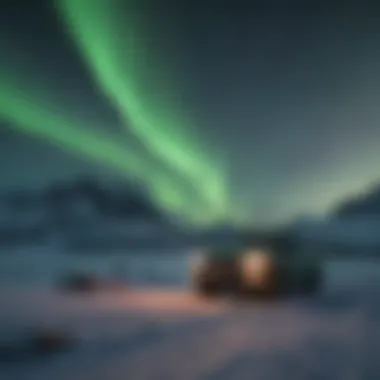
(85,283)
(49,340)
(37,342)
(81,283)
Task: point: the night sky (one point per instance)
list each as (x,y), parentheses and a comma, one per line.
(281,99)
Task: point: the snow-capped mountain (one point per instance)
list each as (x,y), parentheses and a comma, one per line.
(79,211)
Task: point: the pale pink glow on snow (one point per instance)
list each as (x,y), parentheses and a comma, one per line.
(156,334)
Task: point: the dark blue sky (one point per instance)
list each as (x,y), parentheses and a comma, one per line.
(289,92)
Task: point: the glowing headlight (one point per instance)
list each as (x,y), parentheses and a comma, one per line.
(255,266)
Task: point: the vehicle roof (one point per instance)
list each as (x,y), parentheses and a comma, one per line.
(283,243)
(224,254)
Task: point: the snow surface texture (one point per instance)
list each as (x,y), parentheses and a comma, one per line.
(167,333)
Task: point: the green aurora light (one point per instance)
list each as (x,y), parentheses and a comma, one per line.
(29,114)
(112,47)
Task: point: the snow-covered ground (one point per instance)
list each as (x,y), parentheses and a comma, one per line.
(164,332)
(44,266)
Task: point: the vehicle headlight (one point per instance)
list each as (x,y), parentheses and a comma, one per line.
(255,266)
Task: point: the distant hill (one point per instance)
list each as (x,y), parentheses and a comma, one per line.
(366,205)
(122,201)
(28,216)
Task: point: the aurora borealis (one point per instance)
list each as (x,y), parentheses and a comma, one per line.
(120,62)
(34,117)
(240,113)
(117,70)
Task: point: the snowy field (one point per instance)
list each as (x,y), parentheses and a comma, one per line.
(159,330)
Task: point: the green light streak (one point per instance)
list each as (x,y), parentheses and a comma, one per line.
(113,50)
(28,114)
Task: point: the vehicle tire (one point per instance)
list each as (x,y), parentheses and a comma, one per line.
(203,286)
(207,290)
